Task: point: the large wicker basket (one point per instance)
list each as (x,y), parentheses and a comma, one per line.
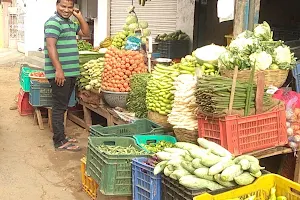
(272,77)
(161,120)
(184,135)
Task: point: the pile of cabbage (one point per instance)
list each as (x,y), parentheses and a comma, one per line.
(257,49)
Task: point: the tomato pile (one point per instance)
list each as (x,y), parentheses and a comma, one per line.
(119,66)
(37,74)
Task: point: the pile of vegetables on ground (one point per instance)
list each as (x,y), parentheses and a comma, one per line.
(257,49)
(160,89)
(207,166)
(136,101)
(183,114)
(120,65)
(91,74)
(157,147)
(213,95)
(177,35)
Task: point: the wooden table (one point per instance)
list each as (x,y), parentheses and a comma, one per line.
(103,110)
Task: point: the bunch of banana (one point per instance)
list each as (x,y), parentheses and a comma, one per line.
(106,42)
(143,2)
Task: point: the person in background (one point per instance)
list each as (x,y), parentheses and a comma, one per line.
(62,65)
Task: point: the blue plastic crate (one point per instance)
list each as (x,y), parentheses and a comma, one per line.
(40,95)
(145,185)
(296,74)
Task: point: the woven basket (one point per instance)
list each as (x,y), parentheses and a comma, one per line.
(115,99)
(161,120)
(272,77)
(184,135)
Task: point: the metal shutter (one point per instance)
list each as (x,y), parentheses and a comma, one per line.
(160,15)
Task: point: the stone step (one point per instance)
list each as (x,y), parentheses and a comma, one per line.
(35,61)
(39,54)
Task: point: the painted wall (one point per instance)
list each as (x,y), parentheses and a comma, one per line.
(102,22)
(37,12)
(5,20)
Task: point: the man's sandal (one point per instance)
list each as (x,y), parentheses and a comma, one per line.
(68,147)
(72,140)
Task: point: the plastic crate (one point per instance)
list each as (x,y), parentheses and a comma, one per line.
(41,95)
(24,77)
(89,185)
(174,48)
(261,188)
(24,107)
(112,172)
(146,139)
(241,135)
(140,127)
(146,185)
(171,189)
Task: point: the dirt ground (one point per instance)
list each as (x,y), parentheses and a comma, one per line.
(30,169)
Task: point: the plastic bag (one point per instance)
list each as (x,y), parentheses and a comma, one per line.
(133,43)
(292,110)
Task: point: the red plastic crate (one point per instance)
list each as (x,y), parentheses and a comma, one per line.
(24,107)
(242,135)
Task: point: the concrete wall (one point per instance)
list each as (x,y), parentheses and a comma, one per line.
(185,16)
(1,28)
(102,22)
(36,14)
(5,25)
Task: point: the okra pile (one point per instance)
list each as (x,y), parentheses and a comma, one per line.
(119,150)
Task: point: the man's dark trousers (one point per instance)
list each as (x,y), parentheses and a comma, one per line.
(60,100)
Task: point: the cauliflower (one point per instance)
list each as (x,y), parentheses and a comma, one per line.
(263,32)
(261,60)
(283,55)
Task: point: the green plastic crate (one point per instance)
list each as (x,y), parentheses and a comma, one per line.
(24,77)
(113,173)
(139,127)
(146,139)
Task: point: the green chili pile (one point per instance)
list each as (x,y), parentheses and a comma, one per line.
(137,97)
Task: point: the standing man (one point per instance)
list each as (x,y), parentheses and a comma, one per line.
(62,65)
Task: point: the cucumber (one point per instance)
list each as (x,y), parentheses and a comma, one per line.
(220,166)
(210,159)
(196,163)
(218,179)
(215,148)
(245,164)
(188,166)
(244,179)
(230,172)
(203,173)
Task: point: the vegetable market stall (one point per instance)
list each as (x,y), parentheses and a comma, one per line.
(238,122)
